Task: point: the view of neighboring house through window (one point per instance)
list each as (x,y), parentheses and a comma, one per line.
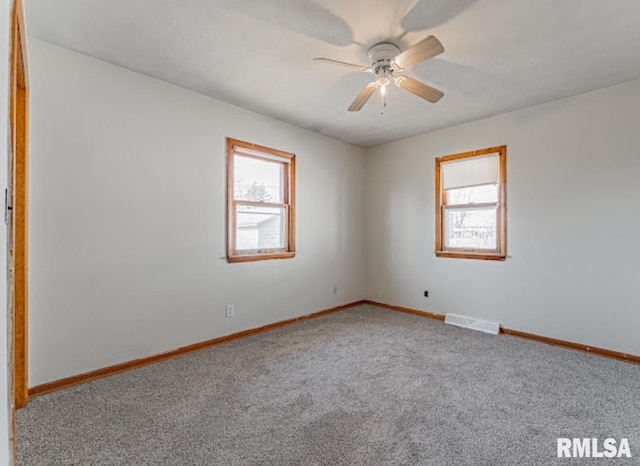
(260,210)
(471,204)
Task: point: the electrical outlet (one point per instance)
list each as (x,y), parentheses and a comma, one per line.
(229,310)
(426,294)
(335,289)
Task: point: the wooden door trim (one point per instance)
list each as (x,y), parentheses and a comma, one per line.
(19,124)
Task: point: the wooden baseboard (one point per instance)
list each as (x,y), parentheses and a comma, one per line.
(529,336)
(136,363)
(575,346)
(407,310)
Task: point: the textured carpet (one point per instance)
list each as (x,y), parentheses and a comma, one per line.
(363,386)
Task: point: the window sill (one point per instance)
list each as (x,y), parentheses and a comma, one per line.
(260,257)
(489,256)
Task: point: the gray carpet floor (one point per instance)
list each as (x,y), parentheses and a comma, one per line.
(363,386)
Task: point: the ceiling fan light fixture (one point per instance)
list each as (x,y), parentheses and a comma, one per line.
(385,60)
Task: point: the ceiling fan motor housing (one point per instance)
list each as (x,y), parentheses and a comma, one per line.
(380,57)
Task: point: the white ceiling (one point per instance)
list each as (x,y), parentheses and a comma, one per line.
(499,55)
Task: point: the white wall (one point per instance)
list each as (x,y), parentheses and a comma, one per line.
(128,218)
(573,193)
(5,37)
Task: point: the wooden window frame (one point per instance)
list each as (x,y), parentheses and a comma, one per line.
(288,203)
(501,231)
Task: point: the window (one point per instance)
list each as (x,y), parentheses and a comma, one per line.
(260,202)
(471,204)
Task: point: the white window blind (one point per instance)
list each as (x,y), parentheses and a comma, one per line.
(471,172)
(263,155)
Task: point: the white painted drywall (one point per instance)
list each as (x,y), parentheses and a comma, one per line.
(573,195)
(5,37)
(128,218)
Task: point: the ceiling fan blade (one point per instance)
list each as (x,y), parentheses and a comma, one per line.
(420,89)
(343,63)
(363,97)
(427,48)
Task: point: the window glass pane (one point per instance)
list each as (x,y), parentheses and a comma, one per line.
(474,195)
(257,180)
(472,228)
(259,228)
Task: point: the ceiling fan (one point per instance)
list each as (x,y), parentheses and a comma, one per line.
(386,61)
